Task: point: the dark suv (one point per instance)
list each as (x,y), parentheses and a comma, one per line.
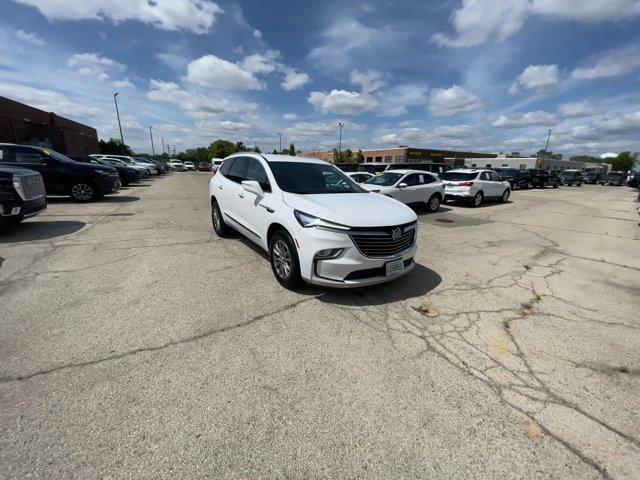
(544,178)
(127,174)
(592,177)
(517,178)
(22,194)
(613,178)
(572,177)
(436,168)
(61,175)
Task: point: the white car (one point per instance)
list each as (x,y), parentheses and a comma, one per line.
(316,223)
(475,185)
(176,164)
(216,163)
(130,161)
(360,177)
(189,166)
(409,186)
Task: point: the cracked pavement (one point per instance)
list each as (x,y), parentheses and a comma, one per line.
(136,344)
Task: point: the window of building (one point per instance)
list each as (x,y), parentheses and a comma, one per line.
(473,165)
(378,159)
(523,165)
(388,159)
(399,158)
(488,165)
(369,159)
(505,164)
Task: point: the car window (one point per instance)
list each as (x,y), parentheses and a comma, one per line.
(312,178)
(458,176)
(226,166)
(385,180)
(28,155)
(494,177)
(484,176)
(256,172)
(238,171)
(6,155)
(427,178)
(411,179)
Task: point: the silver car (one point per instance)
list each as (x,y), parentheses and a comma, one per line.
(475,185)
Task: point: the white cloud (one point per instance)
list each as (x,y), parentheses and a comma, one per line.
(538,78)
(257,33)
(320,131)
(481,21)
(455,100)
(584,108)
(212,71)
(611,64)
(294,80)
(173,60)
(30,38)
(123,83)
(628,123)
(342,102)
(517,120)
(369,81)
(261,62)
(289,116)
(454,131)
(395,100)
(224,127)
(195,16)
(94,65)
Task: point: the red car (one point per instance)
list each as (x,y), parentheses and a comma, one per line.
(204,167)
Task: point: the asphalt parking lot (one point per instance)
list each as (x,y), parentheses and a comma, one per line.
(136,344)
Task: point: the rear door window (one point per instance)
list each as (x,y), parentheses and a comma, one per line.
(256,172)
(238,171)
(226,166)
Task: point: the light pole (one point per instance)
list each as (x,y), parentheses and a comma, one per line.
(546,147)
(341,124)
(163,149)
(153,150)
(280,135)
(115,99)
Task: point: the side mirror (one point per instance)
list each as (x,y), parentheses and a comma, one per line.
(254,187)
(403,185)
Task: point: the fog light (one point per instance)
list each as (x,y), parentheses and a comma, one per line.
(329,253)
(5,212)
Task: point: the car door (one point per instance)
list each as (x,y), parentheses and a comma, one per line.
(485,184)
(232,192)
(498,187)
(253,208)
(34,159)
(410,192)
(430,185)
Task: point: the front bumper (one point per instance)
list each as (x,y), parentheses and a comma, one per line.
(28,208)
(108,184)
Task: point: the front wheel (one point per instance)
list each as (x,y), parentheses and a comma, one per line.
(579,185)
(83,192)
(477,200)
(556,185)
(433,204)
(284,260)
(505,196)
(219,225)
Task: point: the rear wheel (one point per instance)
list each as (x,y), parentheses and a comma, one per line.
(284,260)
(434,203)
(477,200)
(556,185)
(579,184)
(219,226)
(83,192)
(505,196)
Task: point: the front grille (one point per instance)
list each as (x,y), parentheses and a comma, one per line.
(32,187)
(379,242)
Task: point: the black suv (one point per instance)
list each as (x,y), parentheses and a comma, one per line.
(592,177)
(436,168)
(544,178)
(613,178)
(517,178)
(61,175)
(22,194)
(572,177)
(127,174)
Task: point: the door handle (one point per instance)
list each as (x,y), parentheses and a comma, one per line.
(220,187)
(241,195)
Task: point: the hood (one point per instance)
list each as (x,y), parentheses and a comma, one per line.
(12,170)
(93,167)
(353,209)
(376,188)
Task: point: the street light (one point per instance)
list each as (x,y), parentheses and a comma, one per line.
(546,147)
(153,150)
(115,99)
(341,124)
(280,135)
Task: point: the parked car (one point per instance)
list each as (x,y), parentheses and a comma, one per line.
(592,177)
(359,177)
(347,167)
(543,178)
(162,168)
(204,167)
(22,194)
(517,178)
(176,164)
(127,174)
(316,223)
(189,166)
(475,186)
(572,177)
(131,161)
(633,180)
(61,175)
(374,168)
(409,186)
(114,162)
(613,178)
(216,163)
(436,168)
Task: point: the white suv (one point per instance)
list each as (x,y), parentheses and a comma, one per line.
(475,185)
(315,222)
(409,186)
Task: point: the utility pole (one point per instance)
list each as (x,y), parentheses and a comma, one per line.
(163,149)
(546,147)
(280,135)
(115,99)
(168,149)
(341,124)
(153,150)
(174,150)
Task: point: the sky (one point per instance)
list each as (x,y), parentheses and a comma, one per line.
(480,75)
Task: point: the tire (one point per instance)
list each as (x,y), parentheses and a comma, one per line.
(219,226)
(477,200)
(556,185)
(544,184)
(84,192)
(579,185)
(505,196)
(434,203)
(284,260)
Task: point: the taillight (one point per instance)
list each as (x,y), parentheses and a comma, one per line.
(466,184)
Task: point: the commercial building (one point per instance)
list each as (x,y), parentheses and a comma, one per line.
(407,154)
(535,162)
(25,125)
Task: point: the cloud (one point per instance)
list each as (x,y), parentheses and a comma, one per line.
(212,71)
(30,38)
(257,33)
(454,131)
(289,116)
(478,22)
(224,127)
(448,102)
(395,100)
(261,62)
(584,108)
(294,80)
(326,132)
(195,16)
(173,60)
(628,123)
(517,120)
(539,78)
(342,102)
(94,65)
(610,64)
(124,83)
(369,81)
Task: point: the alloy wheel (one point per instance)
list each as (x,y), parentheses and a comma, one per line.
(82,191)
(282,259)
(434,203)
(477,200)
(216,219)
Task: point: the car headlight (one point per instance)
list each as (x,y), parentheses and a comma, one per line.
(309,221)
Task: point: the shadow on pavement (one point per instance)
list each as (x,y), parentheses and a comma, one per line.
(106,199)
(29,231)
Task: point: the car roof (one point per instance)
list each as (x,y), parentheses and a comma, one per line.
(404,171)
(469,170)
(270,157)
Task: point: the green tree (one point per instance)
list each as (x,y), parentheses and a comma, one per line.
(275,152)
(222,149)
(195,155)
(114,147)
(292,150)
(240,147)
(359,157)
(624,161)
(257,149)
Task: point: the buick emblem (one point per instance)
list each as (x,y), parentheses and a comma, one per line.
(395,234)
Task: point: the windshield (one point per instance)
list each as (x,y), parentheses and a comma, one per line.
(113,161)
(385,180)
(311,178)
(458,176)
(57,156)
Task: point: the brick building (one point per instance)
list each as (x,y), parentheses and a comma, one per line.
(406,154)
(25,125)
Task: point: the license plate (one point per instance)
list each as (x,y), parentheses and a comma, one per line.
(395,267)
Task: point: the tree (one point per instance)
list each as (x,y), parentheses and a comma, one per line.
(586,159)
(624,161)
(114,147)
(222,149)
(275,152)
(257,149)
(359,157)
(195,155)
(240,147)
(347,156)
(292,150)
